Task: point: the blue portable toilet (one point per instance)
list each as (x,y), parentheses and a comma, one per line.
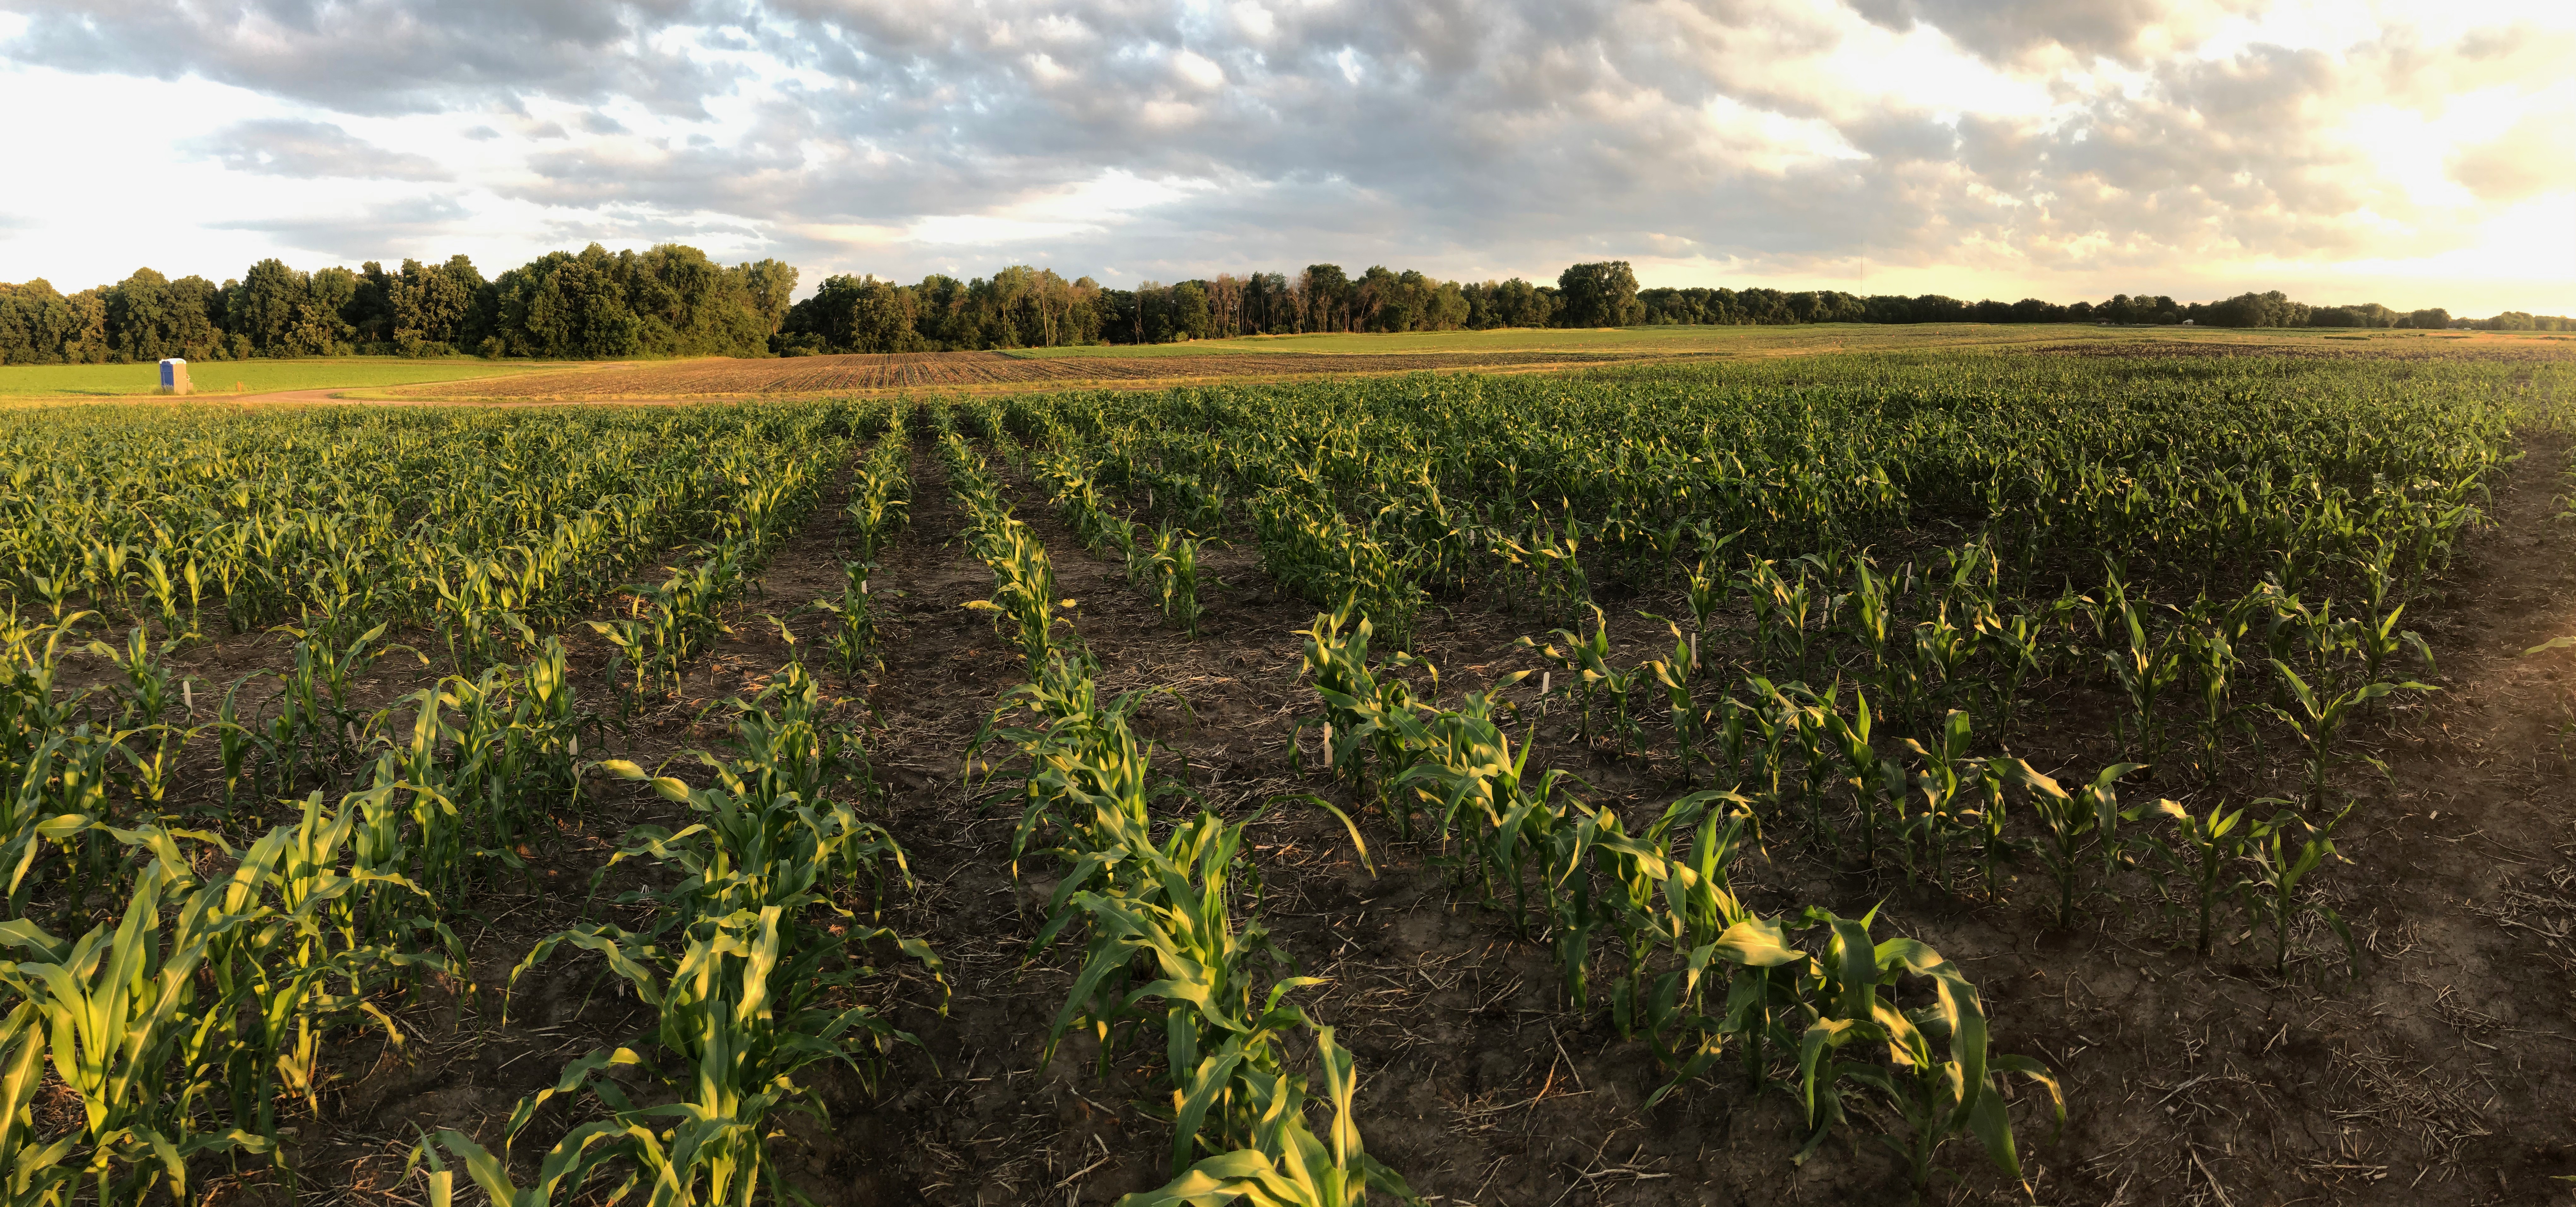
(174,376)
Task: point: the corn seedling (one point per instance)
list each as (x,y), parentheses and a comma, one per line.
(2284,852)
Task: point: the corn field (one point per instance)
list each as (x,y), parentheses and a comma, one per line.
(1715,696)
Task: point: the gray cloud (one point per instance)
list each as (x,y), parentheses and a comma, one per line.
(310,149)
(1463,132)
(383,56)
(388,229)
(2016,30)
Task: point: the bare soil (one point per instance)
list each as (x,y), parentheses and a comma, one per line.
(2444,1074)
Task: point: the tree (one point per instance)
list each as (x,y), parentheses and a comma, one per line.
(880,318)
(263,308)
(41,327)
(771,287)
(2272,309)
(1602,294)
(149,317)
(567,305)
(1324,292)
(1191,316)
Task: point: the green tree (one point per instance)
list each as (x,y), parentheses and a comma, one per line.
(880,318)
(770,286)
(1191,317)
(1325,291)
(1602,294)
(39,326)
(149,317)
(567,305)
(263,308)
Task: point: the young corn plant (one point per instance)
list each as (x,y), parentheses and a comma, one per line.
(1281,1162)
(2073,823)
(2316,716)
(2209,662)
(1484,796)
(1369,716)
(1175,567)
(2203,855)
(746,965)
(133,1039)
(1948,781)
(2284,852)
(2144,668)
(1689,720)
(854,639)
(1594,684)
(1941,1078)
(740,1013)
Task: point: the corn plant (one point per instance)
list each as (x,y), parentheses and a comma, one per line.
(2317,715)
(880,506)
(1281,1161)
(131,1038)
(157,1025)
(1953,809)
(2144,668)
(1734,977)
(1674,675)
(1369,716)
(854,637)
(2203,855)
(1941,1079)
(2073,823)
(1483,796)
(1175,567)
(2284,852)
(1592,681)
(739,1013)
(1876,783)
(748,987)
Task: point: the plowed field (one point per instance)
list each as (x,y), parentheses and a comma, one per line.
(913,370)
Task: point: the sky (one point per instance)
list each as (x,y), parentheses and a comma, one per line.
(2415,154)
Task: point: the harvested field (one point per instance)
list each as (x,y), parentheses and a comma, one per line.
(916,370)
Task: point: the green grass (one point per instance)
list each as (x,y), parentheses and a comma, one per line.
(217,377)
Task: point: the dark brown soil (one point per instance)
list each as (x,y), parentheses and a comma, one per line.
(2442,1075)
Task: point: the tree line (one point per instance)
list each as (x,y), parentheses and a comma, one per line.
(669,300)
(672,300)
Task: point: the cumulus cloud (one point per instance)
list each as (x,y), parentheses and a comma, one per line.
(1772,136)
(295,147)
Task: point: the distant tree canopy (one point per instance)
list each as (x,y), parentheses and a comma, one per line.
(1599,295)
(671,300)
(668,300)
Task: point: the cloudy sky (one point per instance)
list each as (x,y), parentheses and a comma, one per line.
(2417,154)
